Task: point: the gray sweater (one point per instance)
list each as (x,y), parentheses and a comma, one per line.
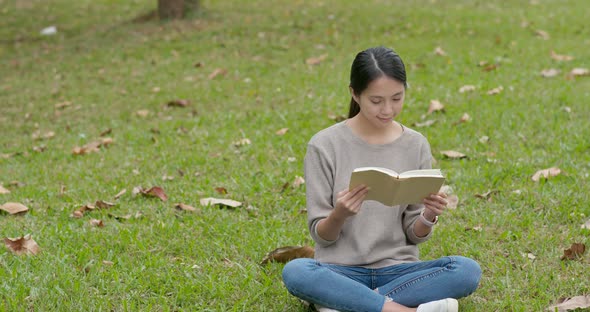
(378,235)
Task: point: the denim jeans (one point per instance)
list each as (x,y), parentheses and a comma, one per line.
(347,288)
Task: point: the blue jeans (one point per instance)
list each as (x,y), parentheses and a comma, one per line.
(347,288)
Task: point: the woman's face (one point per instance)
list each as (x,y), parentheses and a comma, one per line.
(381,101)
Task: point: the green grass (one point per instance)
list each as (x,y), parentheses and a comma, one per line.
(108,68)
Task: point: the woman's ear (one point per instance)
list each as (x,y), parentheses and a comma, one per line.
(354,97)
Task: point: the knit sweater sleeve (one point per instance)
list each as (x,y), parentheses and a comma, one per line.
(319,181)
(412,212)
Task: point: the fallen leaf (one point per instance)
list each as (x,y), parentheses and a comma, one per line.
(586,225)
(453,154)
(282,131)
(477,228)
(298,182)
(575,251)
(439,51)
(178,103)
(96,222)
(435,106)
(542,34)
(466,88)
(530,256)
(242,142)
(220,202)
(121,193)
(63,105)
(288,253)
(155,191)
(316,60)
(336,118)
(14,208)
(548,73)
(495,91)
(579,72)
(167,178)
(101,204)
(106,132)
(571,304)
(92,146)
(22,245)
(487,195)
(106,262)
(37,135)
(484,139)
(221,190)
(142,113)
(491,67)
(561,58)
(546,174)
(426,123)
(452,201)
(464,118)
(4,190)
(185,207)
(217,72)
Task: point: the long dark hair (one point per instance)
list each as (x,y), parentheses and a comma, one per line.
(372,64)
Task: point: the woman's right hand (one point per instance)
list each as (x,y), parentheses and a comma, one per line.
(348,203)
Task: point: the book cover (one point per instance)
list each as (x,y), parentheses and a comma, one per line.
(391,188)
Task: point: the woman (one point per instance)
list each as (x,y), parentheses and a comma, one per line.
(366,254)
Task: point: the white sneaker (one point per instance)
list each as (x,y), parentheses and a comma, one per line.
(324,309)
(445,305)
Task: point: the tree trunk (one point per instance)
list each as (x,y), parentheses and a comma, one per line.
(175,9)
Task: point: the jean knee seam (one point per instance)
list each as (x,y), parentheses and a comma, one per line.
(415,280)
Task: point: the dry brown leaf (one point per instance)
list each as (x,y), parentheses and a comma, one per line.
(298,182)
(143,113)
(464,118)
(336,118)
(440,51)
(96,222)
(542,34)
(101,204)
(495,91)
(185,207)
(452,201)
(561,58)
(586,225)
(63,105)
(574,252)
(288,253)
(22,245)
(242,142)
(106,262)
(121,193)
(178,103)
(548,73)
(37,135)
(571,304)
(92,146)
(453,154)
(4,190)
(282,131)
(491,67)
(14,208)
(579,72)
(435,106)
(155,191)
(221,190)
(217,72)
(426,123)
(477,228)
(546,174)
(105,132)
(466,88)
(220,202)
(316,60)
(487,195)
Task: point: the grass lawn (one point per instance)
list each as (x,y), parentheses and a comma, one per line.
(242,65)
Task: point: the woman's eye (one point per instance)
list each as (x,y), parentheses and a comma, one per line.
(396,100)
(375,101)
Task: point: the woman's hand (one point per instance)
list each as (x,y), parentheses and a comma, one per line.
(435,205)
(348,203)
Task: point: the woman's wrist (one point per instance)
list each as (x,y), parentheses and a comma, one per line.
(429,221)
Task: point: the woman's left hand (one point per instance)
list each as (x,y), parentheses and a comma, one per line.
(435,205)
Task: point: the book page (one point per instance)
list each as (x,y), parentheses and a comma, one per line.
(421,173)
(414,189)
(379,169)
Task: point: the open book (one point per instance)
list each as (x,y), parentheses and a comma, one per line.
(391,188)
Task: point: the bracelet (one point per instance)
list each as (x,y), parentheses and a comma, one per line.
(427,222)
